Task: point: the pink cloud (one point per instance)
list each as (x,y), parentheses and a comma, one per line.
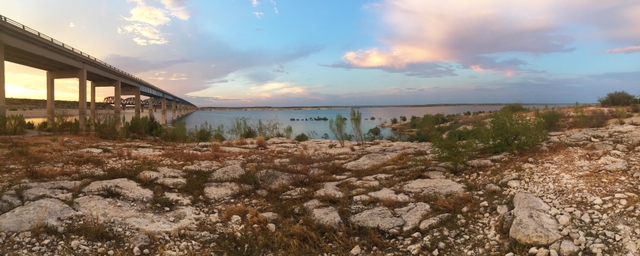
(630,49)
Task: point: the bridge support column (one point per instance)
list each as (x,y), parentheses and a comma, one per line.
(174,107)
(82,98)
(117,101)
(138,107)
(3,95)
(81,74)
(164,110)
(93,103)
(150,107)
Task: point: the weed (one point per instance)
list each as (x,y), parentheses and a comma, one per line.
(163,202)
(110,192)
(93,230)
(195,184)
(261,143)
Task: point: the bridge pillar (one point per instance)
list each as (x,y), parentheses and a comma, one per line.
(3,96)
(150,107)
(93,104)
(81,74)
(163,101)
(138,106)
(82,98)
(117,101)
(174,107)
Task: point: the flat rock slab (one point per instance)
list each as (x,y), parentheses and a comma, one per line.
(45,211)
(215,191)
(227,173)
(122,212)
(379,217)
(367,161)
(274,179)
(388,194)
(412,214)
(532,225)
(129,189)
(330,189)
(433,186)
(327,216)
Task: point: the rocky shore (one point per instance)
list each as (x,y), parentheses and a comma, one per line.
(574,194)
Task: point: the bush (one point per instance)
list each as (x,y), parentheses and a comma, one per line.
(338,127)
(510,131)
(106,127)
(514,108)
(621,113)
(394,120)
(302,137)
(551,120)
(218,134)
(356,120)
(373,134)
(616,98)
(288,131)
(176,134)
(12,125)
(452,149)
(597,119)
(261,142)
(635,108)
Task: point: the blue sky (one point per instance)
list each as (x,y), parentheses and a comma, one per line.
(318,53)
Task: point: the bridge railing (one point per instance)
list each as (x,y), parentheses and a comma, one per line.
(68,47)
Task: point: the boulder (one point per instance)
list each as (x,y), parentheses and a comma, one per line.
(215,191)
(379,217)
(412,214)
(433,186)
(227,173)
(532,224)
(45,211)
(328,216)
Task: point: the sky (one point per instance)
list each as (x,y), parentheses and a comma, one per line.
(242,53)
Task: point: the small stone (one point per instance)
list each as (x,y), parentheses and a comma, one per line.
(356,250)
(74,244)
(271,227)
(533,251)
(568,248)
(563,220)
(542,252)
(136,251)
(597,201)
(502,209)
(553,252)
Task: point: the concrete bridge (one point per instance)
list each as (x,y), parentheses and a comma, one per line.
(25,46)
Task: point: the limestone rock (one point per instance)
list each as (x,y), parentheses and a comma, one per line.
(379,217)
(412,214)
(128,188)
(227,173)
(274,179)
(431,222)
(367,161)
(479,163)
(328,216)
(433,186)
(568,248)
(215,191)
(45,211)
(532,224)
(330,189)
(388,194)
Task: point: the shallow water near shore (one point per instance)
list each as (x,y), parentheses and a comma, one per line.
(303,118)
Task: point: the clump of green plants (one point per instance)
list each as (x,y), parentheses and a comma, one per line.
(635,108)
(338,128)
(373,134)
(551,119)
(301,137)
(453,149)
(356,121)
(12,125)
(621,113)
(511,131)
(616,98)
(596,119)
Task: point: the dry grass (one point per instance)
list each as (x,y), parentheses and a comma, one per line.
(454,204)
(261,143)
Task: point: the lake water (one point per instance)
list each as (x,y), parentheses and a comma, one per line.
(381,114)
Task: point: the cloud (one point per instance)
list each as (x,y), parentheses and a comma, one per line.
(423,70)
(626,77)
(71,25)
(630,49)
(255,3)
(138,65)
(258,15)
(177,8)
(467,33)
(148,14)
(146,20)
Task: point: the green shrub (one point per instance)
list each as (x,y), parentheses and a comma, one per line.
(178,133)
(514,108)
(218,134)
(616,98)
(373,134)
(597,119)
(551,120)
(204,133)
(301,137)
(621,113)
(510,131)
(13,125)
(338,127)
(635,108)
(356,121)
(288,131)
(452,149)
(106,127)
(394,120)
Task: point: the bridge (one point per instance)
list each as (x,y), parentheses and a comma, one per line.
(25,46)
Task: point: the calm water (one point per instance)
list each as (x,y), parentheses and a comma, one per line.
(381,114)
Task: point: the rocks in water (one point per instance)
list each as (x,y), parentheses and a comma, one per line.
(45,211)
(433,186)
(531,222)
(379,217)
(367,161)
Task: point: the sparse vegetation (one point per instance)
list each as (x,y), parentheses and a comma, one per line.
(338,127)
(616,98)
(356,121)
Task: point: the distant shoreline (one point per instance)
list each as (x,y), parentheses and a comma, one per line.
(267,108)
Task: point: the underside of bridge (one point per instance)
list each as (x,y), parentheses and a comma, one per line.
(22,45)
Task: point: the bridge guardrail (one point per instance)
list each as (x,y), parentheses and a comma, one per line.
(68,47)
